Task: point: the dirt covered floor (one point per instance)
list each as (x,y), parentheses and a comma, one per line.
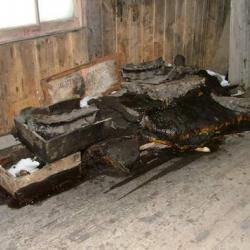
(199,201)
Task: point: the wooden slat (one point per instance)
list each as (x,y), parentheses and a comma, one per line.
(23,64)
(189,35)
(159,12)
(29,69)
(78,52)
(94,27)
(239,45)
(200,12)
(122,30)
(169,30)
(179,22)
(47,56)
(134,35)
(148,26)
(108,22)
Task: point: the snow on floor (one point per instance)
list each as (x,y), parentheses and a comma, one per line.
(28,165)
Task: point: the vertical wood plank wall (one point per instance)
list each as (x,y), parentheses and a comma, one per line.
(23,64)
(240,43)
(139,29)
(145,29)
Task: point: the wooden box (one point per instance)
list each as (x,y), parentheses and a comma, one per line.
(44,180)
(98,78)
(60,146)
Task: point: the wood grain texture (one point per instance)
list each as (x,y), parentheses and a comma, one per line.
(94,27)
(12,184)
(240,43)
(25,63)
(146,29)
(134,34)
(108,23)
(139,30)
(159,14)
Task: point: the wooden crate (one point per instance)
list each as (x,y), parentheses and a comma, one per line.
(40,182)
(98,78)
(60,146)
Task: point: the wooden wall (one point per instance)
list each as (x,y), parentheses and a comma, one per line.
(139,29)
(240,43)
(145,29)
(23,64)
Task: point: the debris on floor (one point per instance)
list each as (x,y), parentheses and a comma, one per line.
(52,132)
(161,110)
(25,176)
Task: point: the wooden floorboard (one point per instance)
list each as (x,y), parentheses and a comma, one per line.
(204,204)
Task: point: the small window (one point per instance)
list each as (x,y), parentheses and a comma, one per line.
(20,19)
(51,10)
(14,13)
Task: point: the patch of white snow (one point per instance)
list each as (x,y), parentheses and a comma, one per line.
(28,165)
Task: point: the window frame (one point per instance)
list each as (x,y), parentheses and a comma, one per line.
(45,28)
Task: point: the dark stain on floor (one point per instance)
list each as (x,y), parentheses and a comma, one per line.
(174,167)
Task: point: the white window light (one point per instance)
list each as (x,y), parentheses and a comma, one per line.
(51,10)
(14,13)
(21,19)
(18,13)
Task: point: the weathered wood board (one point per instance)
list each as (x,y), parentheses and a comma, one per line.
(8,141)
(240,43)
(39,182)
(51,149)
(100,77)
(142,30)
(11,150)
(25,63)
(68,87)
(138,29)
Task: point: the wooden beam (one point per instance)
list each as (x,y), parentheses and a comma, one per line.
(240,43)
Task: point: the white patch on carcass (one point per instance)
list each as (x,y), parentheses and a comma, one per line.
(85,100)
(28,165)
(221,78)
